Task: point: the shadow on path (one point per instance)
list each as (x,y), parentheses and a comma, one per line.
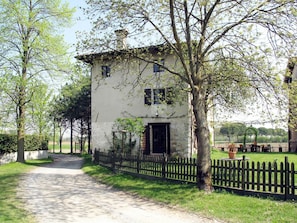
(60,192)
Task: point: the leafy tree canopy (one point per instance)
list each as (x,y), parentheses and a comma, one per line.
(31,51)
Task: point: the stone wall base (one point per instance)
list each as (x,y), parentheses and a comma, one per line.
(29,155)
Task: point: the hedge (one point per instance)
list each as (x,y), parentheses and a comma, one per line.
(8,143)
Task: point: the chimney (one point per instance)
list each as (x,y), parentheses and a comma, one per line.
(121,43)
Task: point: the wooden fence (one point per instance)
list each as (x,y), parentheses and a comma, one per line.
(270,179)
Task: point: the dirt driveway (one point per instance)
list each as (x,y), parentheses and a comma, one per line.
(61,192)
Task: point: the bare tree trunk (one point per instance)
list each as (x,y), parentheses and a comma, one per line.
(21,132)
(71,136)
(89,137)
(81,136)
(61,137)
(21,119)
(54,137)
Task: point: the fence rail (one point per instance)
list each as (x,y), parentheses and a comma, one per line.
(240,176)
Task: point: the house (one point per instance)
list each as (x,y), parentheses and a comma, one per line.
(125,84)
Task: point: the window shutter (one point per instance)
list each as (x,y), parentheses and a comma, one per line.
(147,96)
(169,95)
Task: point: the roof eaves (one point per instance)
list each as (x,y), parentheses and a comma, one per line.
(90,57)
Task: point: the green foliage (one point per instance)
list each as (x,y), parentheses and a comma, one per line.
(132,125)
(74,102)
(8,143)
(32,51)
(235,132)
(122,143)
(124,130)
(72,108)
(292,94)
(230,129)
(38,109)
(264,139)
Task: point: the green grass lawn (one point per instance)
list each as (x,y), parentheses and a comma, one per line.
(11,208)
(257,156)
(65,148)
(219,205)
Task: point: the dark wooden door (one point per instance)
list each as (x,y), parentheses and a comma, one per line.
(159,138)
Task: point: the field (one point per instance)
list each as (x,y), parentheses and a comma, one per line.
(65,147)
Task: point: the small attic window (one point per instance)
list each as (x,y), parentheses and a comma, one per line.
(288,80)
(105,71)
(157,67)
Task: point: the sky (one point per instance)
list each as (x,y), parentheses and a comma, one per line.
(81,23)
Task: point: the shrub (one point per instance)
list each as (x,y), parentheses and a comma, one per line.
(8,143)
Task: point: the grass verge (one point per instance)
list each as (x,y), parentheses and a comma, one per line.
(220,205)
(258,156)
(11,208)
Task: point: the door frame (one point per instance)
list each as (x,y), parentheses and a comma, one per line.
(149,137)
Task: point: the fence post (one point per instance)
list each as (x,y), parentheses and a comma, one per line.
(164,160)
(113,161)
(96,156)
(243,174)
(138,163)
(287,175)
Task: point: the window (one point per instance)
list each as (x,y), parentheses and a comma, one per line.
(158,96)
(157,67)
(105,71)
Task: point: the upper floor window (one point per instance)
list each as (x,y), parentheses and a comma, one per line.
(105,71)
(158,96)
(157,67)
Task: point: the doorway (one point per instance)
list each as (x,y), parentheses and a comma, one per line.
(158,138)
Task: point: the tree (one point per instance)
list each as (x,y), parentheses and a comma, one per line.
(224,48)
(31,49)
(232,129)
(132,126)
(73,107)
(38,110)
(263,131)
(82,106)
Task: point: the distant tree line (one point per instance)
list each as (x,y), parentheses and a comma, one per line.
(234,132)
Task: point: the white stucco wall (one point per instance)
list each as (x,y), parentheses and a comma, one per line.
(122,95)
(29,155)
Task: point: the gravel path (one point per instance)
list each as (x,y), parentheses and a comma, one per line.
(60,192)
